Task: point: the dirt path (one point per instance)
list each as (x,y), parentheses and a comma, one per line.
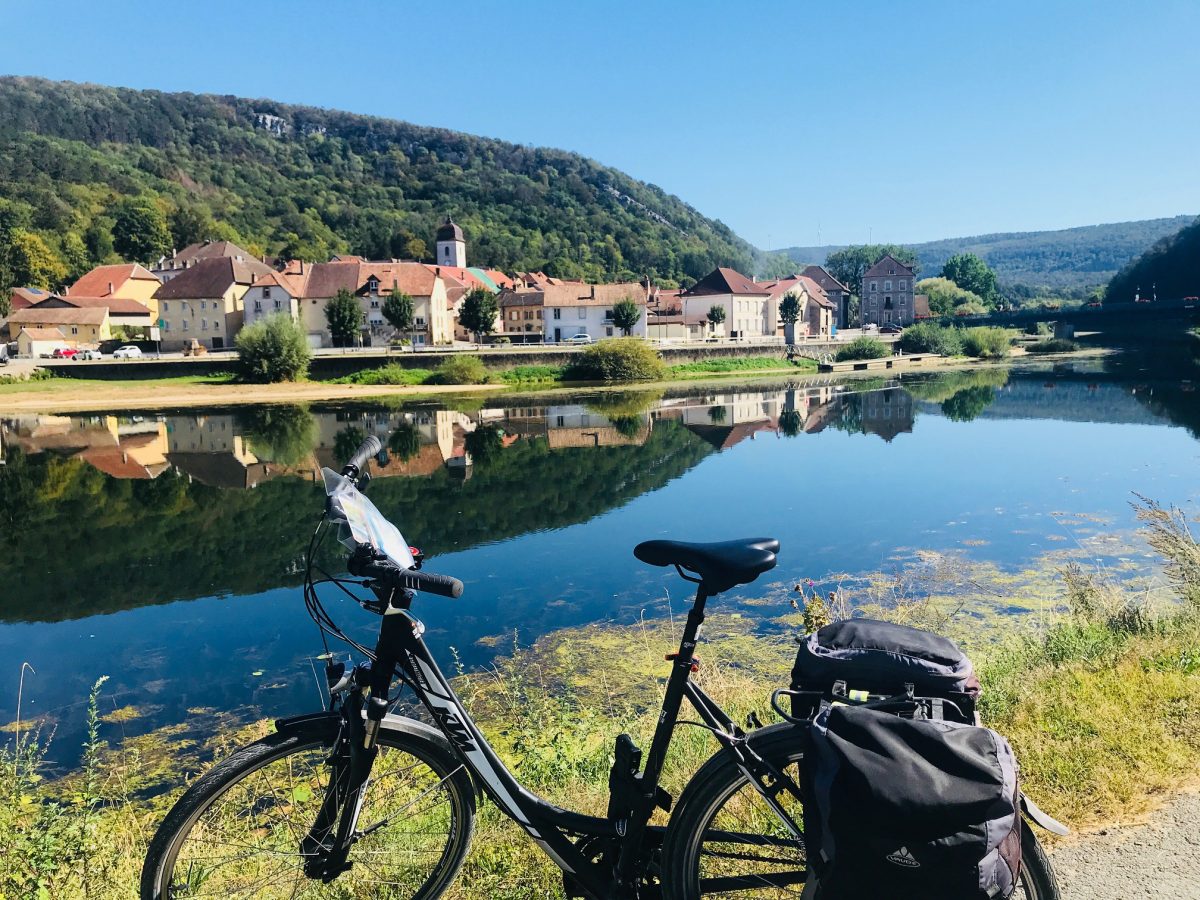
(130,396)
(1160,859)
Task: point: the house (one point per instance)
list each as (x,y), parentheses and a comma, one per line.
(169,267)
(571,308)
(204,302)
(128,281)
(128,315)
(33,341)
(88,326)
(887,293)
(521,314)
(817,311)
(371,282)
(838,293)
(21,297)
(750,312)
(277,292)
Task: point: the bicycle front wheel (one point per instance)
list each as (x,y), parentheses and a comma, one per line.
(724,841)
(237,832)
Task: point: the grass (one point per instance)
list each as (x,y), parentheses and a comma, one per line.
(52,385)
(740,365)
(1052,345)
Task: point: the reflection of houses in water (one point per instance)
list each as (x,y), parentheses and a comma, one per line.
(726,419)
(120,447)
(887,413)
(441,436)
(212,451)
(576,425)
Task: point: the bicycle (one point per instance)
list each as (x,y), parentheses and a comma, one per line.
(356,801)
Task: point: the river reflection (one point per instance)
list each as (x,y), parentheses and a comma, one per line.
(166,550)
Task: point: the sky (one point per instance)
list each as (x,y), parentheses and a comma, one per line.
(795,123)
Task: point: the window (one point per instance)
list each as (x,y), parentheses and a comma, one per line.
(558,313)
(419,321)
(373,285)
(204,324)
(216,326)
(185,325)
(163,306)
(374,304)
(203,304)
(583,312)
(887,285)
(874,285)
(903,284)
(74,330)
(903,300)
(278,305)
(608,315)
(445,251)
(266,293)
(608,331)
(258,306)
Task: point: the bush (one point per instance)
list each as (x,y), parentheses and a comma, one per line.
(987,342)
(1052,345)
(863,348)
(460,370)
(389,374)
(531,373)
(273,349)
(930,337)
(618,359)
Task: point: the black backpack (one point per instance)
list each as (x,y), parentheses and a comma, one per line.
(862,659)
(906,797)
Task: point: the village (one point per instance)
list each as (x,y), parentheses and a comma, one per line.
(198,299)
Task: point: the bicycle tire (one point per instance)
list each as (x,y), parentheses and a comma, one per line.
(434,764)
(719,780)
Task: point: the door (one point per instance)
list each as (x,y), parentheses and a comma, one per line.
(557,335)
(218,343)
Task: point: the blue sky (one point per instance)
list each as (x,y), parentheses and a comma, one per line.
(842,121)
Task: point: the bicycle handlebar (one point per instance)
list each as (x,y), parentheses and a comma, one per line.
(412,579)
(368,448)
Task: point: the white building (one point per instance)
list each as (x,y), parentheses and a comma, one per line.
(750,311)
(573,308)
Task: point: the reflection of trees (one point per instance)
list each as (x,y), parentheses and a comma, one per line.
(405,442)
(628,426)
(943,386)
(968,403)
(791,422)
(283,434)
(345,442)
(172,539)
(485,444)
(614,405)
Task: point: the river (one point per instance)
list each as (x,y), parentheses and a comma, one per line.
(165,550)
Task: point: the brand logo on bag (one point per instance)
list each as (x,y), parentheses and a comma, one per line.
(903,858)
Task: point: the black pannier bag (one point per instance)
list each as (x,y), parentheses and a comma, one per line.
(881,658)
(910,809)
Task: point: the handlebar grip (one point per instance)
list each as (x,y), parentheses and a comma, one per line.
(368,448)
(431,583)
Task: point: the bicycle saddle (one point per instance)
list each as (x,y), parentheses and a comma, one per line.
(720,565)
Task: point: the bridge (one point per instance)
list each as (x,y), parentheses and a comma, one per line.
(1084,318)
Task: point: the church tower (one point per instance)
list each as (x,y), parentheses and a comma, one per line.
(451,247)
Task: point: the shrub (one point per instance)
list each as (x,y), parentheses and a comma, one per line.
(1052,345)
(531,373)
(389,374)
(987,342)
(863,348)
(930,337)
(460,370)
(618,359)
(273,349)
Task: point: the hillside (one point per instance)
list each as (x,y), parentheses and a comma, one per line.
(1072,258)
(1168,269)
(308,182)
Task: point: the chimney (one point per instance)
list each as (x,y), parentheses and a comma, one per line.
(110,288)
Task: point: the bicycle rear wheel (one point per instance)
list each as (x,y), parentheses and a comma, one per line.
(237,832)
(724,841)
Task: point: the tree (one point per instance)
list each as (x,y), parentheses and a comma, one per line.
(478,312)
(789,311)
(273,349)
(140,230)
(972,274)
(398,309)
(626,314)
(75,255)
(344,314)
(279,432)
(405,441)
(485,444)
(190,225)
(716,315)
(31,263)
(944,295)
(850,264)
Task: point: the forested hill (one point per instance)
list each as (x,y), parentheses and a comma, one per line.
(1071,258)
(308,182)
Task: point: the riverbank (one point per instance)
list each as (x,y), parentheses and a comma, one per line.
(1099,698)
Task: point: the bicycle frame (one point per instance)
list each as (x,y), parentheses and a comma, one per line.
(630,841)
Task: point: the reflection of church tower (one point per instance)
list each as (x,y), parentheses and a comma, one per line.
(451,247)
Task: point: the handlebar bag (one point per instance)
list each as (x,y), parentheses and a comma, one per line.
(881,658)
(910,809)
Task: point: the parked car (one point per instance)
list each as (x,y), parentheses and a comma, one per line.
(870,326)
(128,351)
(89,354)
(580,338)
(64,353)
(891,328)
